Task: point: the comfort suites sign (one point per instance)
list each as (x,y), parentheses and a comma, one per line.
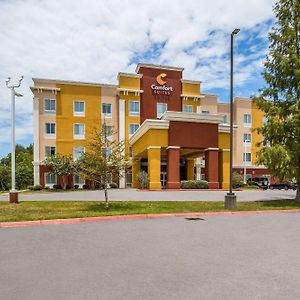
(161,88)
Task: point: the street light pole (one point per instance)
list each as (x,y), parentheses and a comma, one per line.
(230,198)
(13,195)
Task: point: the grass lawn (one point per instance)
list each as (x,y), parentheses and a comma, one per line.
(38,210)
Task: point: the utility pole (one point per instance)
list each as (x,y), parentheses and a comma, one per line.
(230,198)
(13,194)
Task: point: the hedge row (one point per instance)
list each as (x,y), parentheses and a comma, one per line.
(194,184)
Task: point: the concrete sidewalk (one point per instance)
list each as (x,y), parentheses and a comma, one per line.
(136,195)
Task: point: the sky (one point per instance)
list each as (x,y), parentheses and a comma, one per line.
(94,40)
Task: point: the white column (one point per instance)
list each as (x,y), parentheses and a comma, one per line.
(122,125)
(36,141)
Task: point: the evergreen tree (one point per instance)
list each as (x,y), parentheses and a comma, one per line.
(280,98)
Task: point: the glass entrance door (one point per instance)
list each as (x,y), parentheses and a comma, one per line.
(163,179)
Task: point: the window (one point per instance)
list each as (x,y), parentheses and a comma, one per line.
(161,108)
(106,110)
(133,128)
(134,108)
(79,131)
(49,151)
(107,131)
(128,179)
(225,119)
(247,158)
(50,130)
(50,179)
(77,152)
(188,108)
(78,180)
(247,120)
(247,137)
(78,108)
(107,151)
(50,106)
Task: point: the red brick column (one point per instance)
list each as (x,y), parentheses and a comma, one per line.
(173,167)
(212,167)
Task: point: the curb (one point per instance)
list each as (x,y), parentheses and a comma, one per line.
(139,216)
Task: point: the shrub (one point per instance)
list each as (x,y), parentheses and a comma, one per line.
(194,184)
(46,188)
(237,180)
(68,187)
(76,186)
(143,180)
(35,187)
(85,187)
(113,185)
(57,186)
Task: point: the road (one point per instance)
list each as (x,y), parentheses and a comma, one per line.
(135,195)
(232,257)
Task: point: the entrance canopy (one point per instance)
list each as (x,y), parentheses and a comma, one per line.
(177,136)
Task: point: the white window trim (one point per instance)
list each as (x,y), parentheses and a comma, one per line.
(78,114)
(49,112)
(247,125)
(50,151)
(49,136)
(248,142)
(187,105)
(133,114)
(247,163)
(74,152)
(159,116)
(50,185)
(131,134)
(78,136)
(108,116)
(80,185)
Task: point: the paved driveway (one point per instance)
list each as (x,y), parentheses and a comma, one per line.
(232,257)
(134,195)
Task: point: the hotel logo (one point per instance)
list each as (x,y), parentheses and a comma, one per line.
(162,88)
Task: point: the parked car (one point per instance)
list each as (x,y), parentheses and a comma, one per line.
(262,182)
(283,185)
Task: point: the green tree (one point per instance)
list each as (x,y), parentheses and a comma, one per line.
(24,170)
(104,157)
(61,165)
(280,98)
(4,177)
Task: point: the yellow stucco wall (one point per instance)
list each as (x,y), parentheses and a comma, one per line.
(190,169)
(224,159)
(65,119)
(154,159)
(224,140)
(257,121)
(190,88)
(128,82)
(224,168)
(153,137)
(191,102)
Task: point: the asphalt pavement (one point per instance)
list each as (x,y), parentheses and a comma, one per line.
(137,195)
(232,257)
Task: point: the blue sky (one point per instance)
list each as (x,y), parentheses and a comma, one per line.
(73,41)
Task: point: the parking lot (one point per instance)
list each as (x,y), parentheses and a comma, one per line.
(218,257)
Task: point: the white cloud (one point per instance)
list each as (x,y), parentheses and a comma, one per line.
(94,40)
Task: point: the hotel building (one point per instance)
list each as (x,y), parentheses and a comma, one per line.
(170,129)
